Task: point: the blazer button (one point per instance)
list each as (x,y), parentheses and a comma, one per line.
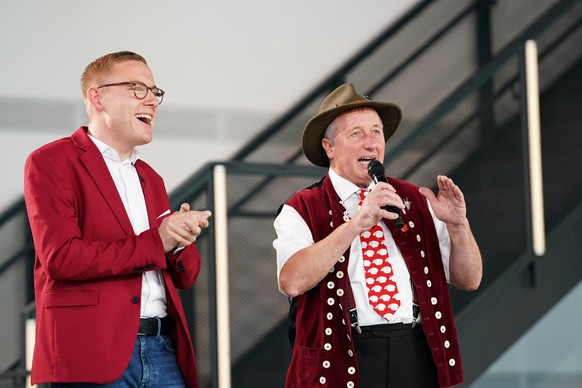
(134,300)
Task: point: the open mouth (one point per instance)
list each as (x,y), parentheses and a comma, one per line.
(366,160)
(144,117)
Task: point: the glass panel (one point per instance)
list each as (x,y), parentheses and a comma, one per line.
(548,355)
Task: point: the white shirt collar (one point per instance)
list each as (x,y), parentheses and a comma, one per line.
(343,187)
(109,153)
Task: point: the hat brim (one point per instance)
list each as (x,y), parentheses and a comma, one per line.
(390,114)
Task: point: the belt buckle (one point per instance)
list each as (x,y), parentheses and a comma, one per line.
(150,326)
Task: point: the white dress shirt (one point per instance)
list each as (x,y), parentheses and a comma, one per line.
(293,234)
(127,182)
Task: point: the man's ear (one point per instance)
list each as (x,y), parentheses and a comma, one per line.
(94,99)
(327,147)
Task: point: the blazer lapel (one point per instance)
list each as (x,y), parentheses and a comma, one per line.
(148,194)
(99,173)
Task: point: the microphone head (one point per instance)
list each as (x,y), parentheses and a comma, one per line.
(375,169)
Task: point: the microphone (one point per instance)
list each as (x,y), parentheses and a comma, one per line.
(376,172)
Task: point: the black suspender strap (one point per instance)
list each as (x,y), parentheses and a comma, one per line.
(352,311)
(415,305)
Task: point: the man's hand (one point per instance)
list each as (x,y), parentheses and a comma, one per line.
(465,263)
(449,204)
(373,207)
(181,228)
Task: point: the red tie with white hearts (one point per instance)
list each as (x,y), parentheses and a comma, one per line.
(382,289)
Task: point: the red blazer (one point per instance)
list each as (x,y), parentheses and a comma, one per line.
(89,263)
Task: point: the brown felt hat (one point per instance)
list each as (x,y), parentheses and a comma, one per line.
(337,102)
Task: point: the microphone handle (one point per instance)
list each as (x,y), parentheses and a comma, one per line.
(399,223)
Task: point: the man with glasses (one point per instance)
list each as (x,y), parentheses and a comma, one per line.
(109,252)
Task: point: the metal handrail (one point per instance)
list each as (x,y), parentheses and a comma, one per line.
(12,210)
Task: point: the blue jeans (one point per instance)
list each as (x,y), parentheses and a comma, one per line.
(153,364)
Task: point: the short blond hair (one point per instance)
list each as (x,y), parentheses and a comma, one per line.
(102,66)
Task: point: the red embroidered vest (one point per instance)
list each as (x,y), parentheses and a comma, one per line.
(323,352)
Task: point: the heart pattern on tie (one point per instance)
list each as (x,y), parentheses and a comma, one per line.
(382,289)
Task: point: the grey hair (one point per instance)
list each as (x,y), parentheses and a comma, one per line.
(329,133)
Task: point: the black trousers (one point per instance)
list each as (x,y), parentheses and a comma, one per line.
(394,356)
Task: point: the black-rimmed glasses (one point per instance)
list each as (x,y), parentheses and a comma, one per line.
(140,90)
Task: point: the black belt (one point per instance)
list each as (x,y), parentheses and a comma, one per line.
(390,330)
(390,327)
(155,326)
(353,314)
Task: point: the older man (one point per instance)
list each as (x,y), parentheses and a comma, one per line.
(371,298)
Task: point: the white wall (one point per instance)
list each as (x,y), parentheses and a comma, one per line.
(252,54)
(228,61)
